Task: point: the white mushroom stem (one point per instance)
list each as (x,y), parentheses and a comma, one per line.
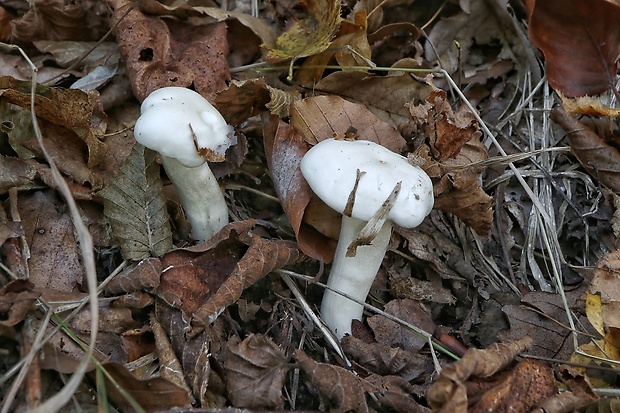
(201,197)
(352,275)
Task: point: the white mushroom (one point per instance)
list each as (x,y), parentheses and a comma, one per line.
(188,131)
(331,169)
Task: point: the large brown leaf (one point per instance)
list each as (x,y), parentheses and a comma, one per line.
(601,160)
(580,40)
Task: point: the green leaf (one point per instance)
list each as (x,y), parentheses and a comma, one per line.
(136,208)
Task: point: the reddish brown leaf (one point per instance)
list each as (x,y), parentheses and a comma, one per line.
(16,300)
(144,276)
(580,40)
(284,148)
(255,371)
(162,53)
(601,160)
(261,257)
(338,384)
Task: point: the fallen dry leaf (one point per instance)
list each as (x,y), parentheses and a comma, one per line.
(587,105)
(606,286)
(386,360)
(390,333)
(255,371)
(522,387)
(73,109)
(394,392)
(143,276)
(581,43)
(309,36)
(284,149)
(340,385)
(600,159)
(161,53)
(17,299)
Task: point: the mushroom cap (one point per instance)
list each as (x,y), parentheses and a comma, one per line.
(179,123)
(330,168)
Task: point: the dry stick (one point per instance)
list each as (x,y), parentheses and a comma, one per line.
(85,240)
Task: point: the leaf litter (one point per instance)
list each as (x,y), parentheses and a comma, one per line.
(520,243)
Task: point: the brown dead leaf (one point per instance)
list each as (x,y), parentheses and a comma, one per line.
(447,131)
(143,276)
(394,392)
(59,20)
(162,53)
(55,261)
(203,280)
(153,395)
(340,385)
(15,173)
(522,387)
(385,360)
(601,160)
(581,43)
(255,371)
(390,333)
(321,117)
(73,109)
(385,96)
(17,299)
(284,149)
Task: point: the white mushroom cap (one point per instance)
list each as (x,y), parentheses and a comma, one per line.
(330,168)
(164,126)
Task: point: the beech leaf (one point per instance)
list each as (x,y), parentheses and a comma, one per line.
(580,40)
(136,208)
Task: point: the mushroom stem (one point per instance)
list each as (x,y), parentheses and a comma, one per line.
(201,197)
(352,275)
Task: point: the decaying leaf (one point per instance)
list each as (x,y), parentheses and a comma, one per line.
(606,285)
(153,395)
(204,279)
(255,371)
(309,36)
(161,53)
(523,387)
(394,392)
(387,360)
(453,144)
(17,299)
(73,109)
(587,105)
(136,208)
(143,277)
(340,385)
(581,43)
(600,159)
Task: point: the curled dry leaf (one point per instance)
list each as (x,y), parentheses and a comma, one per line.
(162,53)
(475,378)
(606,285)
(255,371)
(395,392)
(143,277)
(203,280)
(340,385)
(78,111)
(453,144)
(588,105)
(601,160)
(580,40)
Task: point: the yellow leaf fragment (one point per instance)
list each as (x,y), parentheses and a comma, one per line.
(594,312)
(309,36)
(587,105)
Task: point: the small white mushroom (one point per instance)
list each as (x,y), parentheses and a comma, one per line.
(331,169)
(188,131)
